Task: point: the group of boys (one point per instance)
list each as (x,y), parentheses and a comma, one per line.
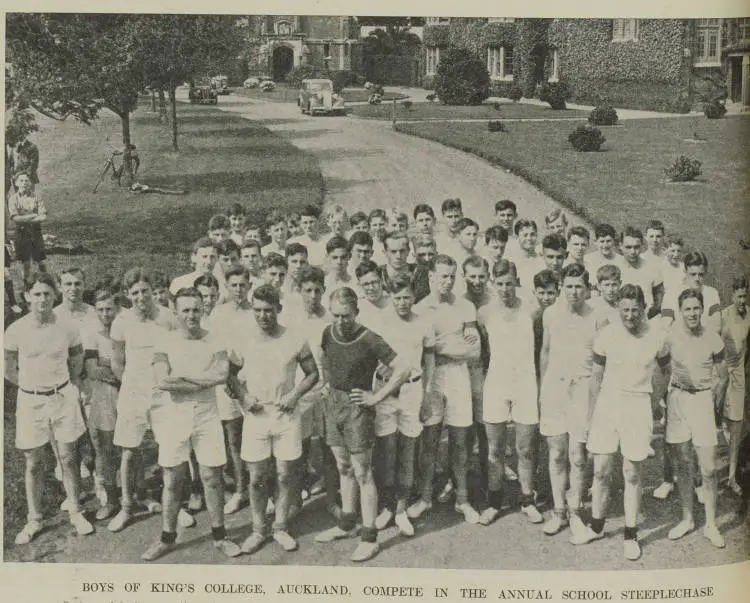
(356,347)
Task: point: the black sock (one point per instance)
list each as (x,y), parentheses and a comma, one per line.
(526,500)
(168,537)
(597,524)
(631,533)
(495,499)
(218,533)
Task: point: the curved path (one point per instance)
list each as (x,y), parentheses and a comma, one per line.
(366,164)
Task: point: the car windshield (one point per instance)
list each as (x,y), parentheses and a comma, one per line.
(318,86)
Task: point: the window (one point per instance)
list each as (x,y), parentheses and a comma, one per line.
(500,19)
(326,50)
(433,58)
(283,28)
(743,28)
(554,76)
(624,30)
(707,42)
(500,62)
(436,20)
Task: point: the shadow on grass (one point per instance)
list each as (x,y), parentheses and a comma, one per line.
(231,182)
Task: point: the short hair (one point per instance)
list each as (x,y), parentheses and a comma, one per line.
(466,223)
(504,204)
(336,210)
(424,240)
(72,270)
(687,294)
(451,205)
(555,215)
(376,213)
(524,223)
(218,221)
(555,241)
(293,218)
(136,275)
(394,235)
(575,270)
(740,283)
(312,274)
(399,284)
(104,293)
(359,217)
(546,278)
(310,211)
(579,231)
(237,271)
(268,294)
(250,243)
(227,247)
(604,230)
(503,267)
(475,261)
(399,216)
(336,242)
(674,239)
(186,292)
(632,232)
(207,280)
(44,278)
(655,225)
(496,233)
(365,268)
(423,208)
(237,209)
(275,217)
(159,280)
(442,259)
(345,296)
(275,260)
(295,249)
(632,292)
(695,258)
(203,243)
(608,272)
(360,237)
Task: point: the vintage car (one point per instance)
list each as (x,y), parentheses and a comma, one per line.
(317,96)
(222,84)
(203,95)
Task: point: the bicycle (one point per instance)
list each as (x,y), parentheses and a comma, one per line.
(118,167)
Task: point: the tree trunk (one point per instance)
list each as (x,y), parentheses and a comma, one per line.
(153,101)
(162,107)
(173,106)
(127,176)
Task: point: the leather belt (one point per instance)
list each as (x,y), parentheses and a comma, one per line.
(690,390)
(45,392)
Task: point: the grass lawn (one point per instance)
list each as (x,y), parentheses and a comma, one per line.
(284,93)
(624,183)
(223,159)
(507,110)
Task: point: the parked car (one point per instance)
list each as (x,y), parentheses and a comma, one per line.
(267,86)
(203,95)
(222,84)
(317,96)
(251,82)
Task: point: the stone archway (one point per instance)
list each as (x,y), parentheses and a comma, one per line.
(282,62)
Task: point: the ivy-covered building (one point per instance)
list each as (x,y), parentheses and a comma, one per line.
(277,44)
(657,64)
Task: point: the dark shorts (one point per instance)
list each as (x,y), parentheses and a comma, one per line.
(347,425)
(29,243)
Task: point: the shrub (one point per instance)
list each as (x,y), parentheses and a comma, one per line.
(603,116)
(342,79)
(431,97)
(407,105)
(586,138)
(495,125)
(714,110)
(303,72)
(462,78)
(555,94)
(515,94)
(683,169)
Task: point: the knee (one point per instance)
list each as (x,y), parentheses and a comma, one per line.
(601,473)
(67,455)
(495,453)
(211,477)
(524,448)
(708,472)
(284,477)
(557,455)
(631,475)
(577,459)
(34,464)
(345,468)
(363,474)
(258,480)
